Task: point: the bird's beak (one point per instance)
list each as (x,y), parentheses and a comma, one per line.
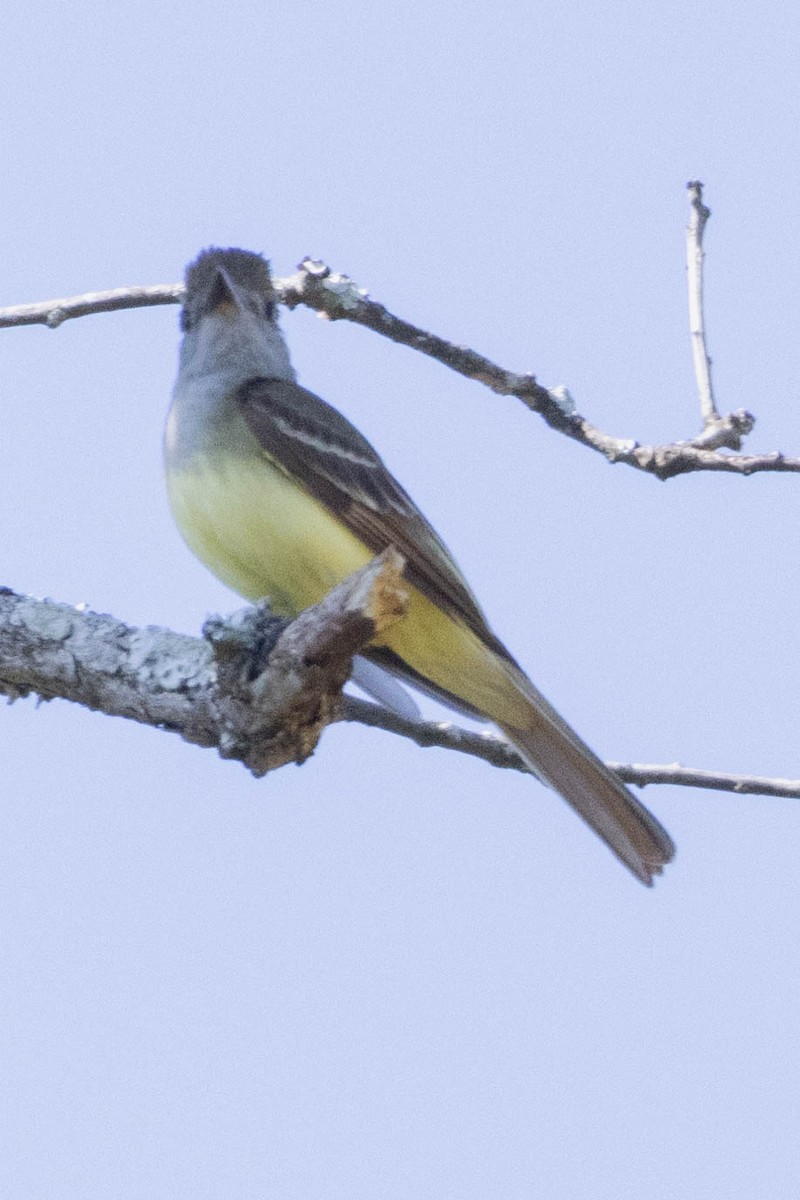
(223,296)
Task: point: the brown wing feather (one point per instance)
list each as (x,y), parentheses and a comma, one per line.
(311,441)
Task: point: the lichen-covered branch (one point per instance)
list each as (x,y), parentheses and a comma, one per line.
(259,690)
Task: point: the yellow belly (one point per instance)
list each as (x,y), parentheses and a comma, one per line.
(264,536)
(260,533)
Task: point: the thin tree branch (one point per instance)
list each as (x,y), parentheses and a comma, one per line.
(492,748)
(337,297)
(642,774)
(718,432)
(53,313)
(698,216)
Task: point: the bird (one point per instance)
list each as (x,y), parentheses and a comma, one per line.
(282,498)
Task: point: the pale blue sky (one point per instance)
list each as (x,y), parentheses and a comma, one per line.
(397,973)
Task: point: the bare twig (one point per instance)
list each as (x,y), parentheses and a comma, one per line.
(492,748)
(55,312)
(337,297)
(718,432)
(698,216)
(642,774)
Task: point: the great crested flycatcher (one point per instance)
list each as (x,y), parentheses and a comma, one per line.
(282,497)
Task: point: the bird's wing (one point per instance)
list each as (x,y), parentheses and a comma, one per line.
(315,445)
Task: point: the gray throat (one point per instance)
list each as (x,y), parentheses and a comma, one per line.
(216,358)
